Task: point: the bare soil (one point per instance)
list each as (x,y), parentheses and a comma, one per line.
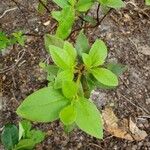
(127,34)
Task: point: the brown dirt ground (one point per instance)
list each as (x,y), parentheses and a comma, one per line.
(127,34)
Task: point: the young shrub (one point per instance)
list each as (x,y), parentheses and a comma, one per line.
(68,95)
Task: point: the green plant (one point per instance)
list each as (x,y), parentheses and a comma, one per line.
(14,38)
(74,9)
(76,72)
(20,139)
(147,2)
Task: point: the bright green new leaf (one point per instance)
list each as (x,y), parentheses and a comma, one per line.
(66,75)
(9,136)
(53,40)
(61,3)
(87,60)
(68,47)
(82,44)
(112,3)
(72,2)
(56,15)
(105,76)
(68,115)
(24,128)
(43,105)
(84,5)
(69,88)
(36,135)
(98,53)
(66,22)
(61,58)
(147,2)
(25,144)
(88,117)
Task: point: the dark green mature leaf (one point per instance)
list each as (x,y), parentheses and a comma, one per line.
(53,40)
(90,20)
(84,5)
(82,44)
(43,105)
(61,3)
(69,88)
(117,69)
(112,3)
(25,144)
(147,2)
(66,22)
(98,53)
(68,115)
(61,57)
(105,76)
(41,9)
(9,136)
(88,118)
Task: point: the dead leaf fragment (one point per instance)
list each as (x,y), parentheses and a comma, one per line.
(124,129)
(137,133)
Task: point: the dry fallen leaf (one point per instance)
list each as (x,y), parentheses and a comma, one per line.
(122,129)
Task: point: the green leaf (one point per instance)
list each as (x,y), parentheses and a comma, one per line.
(98,53)
(36,135)
(61,57)
(25,144)
(61,3)
(69,88)
(41,9)
(90,20)
(4,41)
(43,105)
(56,15)
(20,38)
(84,5)
(68,115)
(88,118)
(147,2)
(117,69)
(9,136)
(69,128)
(112,3)
(72,2)
(62,76)
(24,128)
(53,40)
(68,47)
(66,22)
(105,76)
(87,60)
(82,45)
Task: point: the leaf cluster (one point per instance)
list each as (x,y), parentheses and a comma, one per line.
(23,138)
(14,38)
(75,73)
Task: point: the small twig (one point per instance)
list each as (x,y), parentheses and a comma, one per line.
(147,117)
(98,13)
(8,10)
(13,66)
(45,6)
(18,5)
(88,27)
(141,108)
